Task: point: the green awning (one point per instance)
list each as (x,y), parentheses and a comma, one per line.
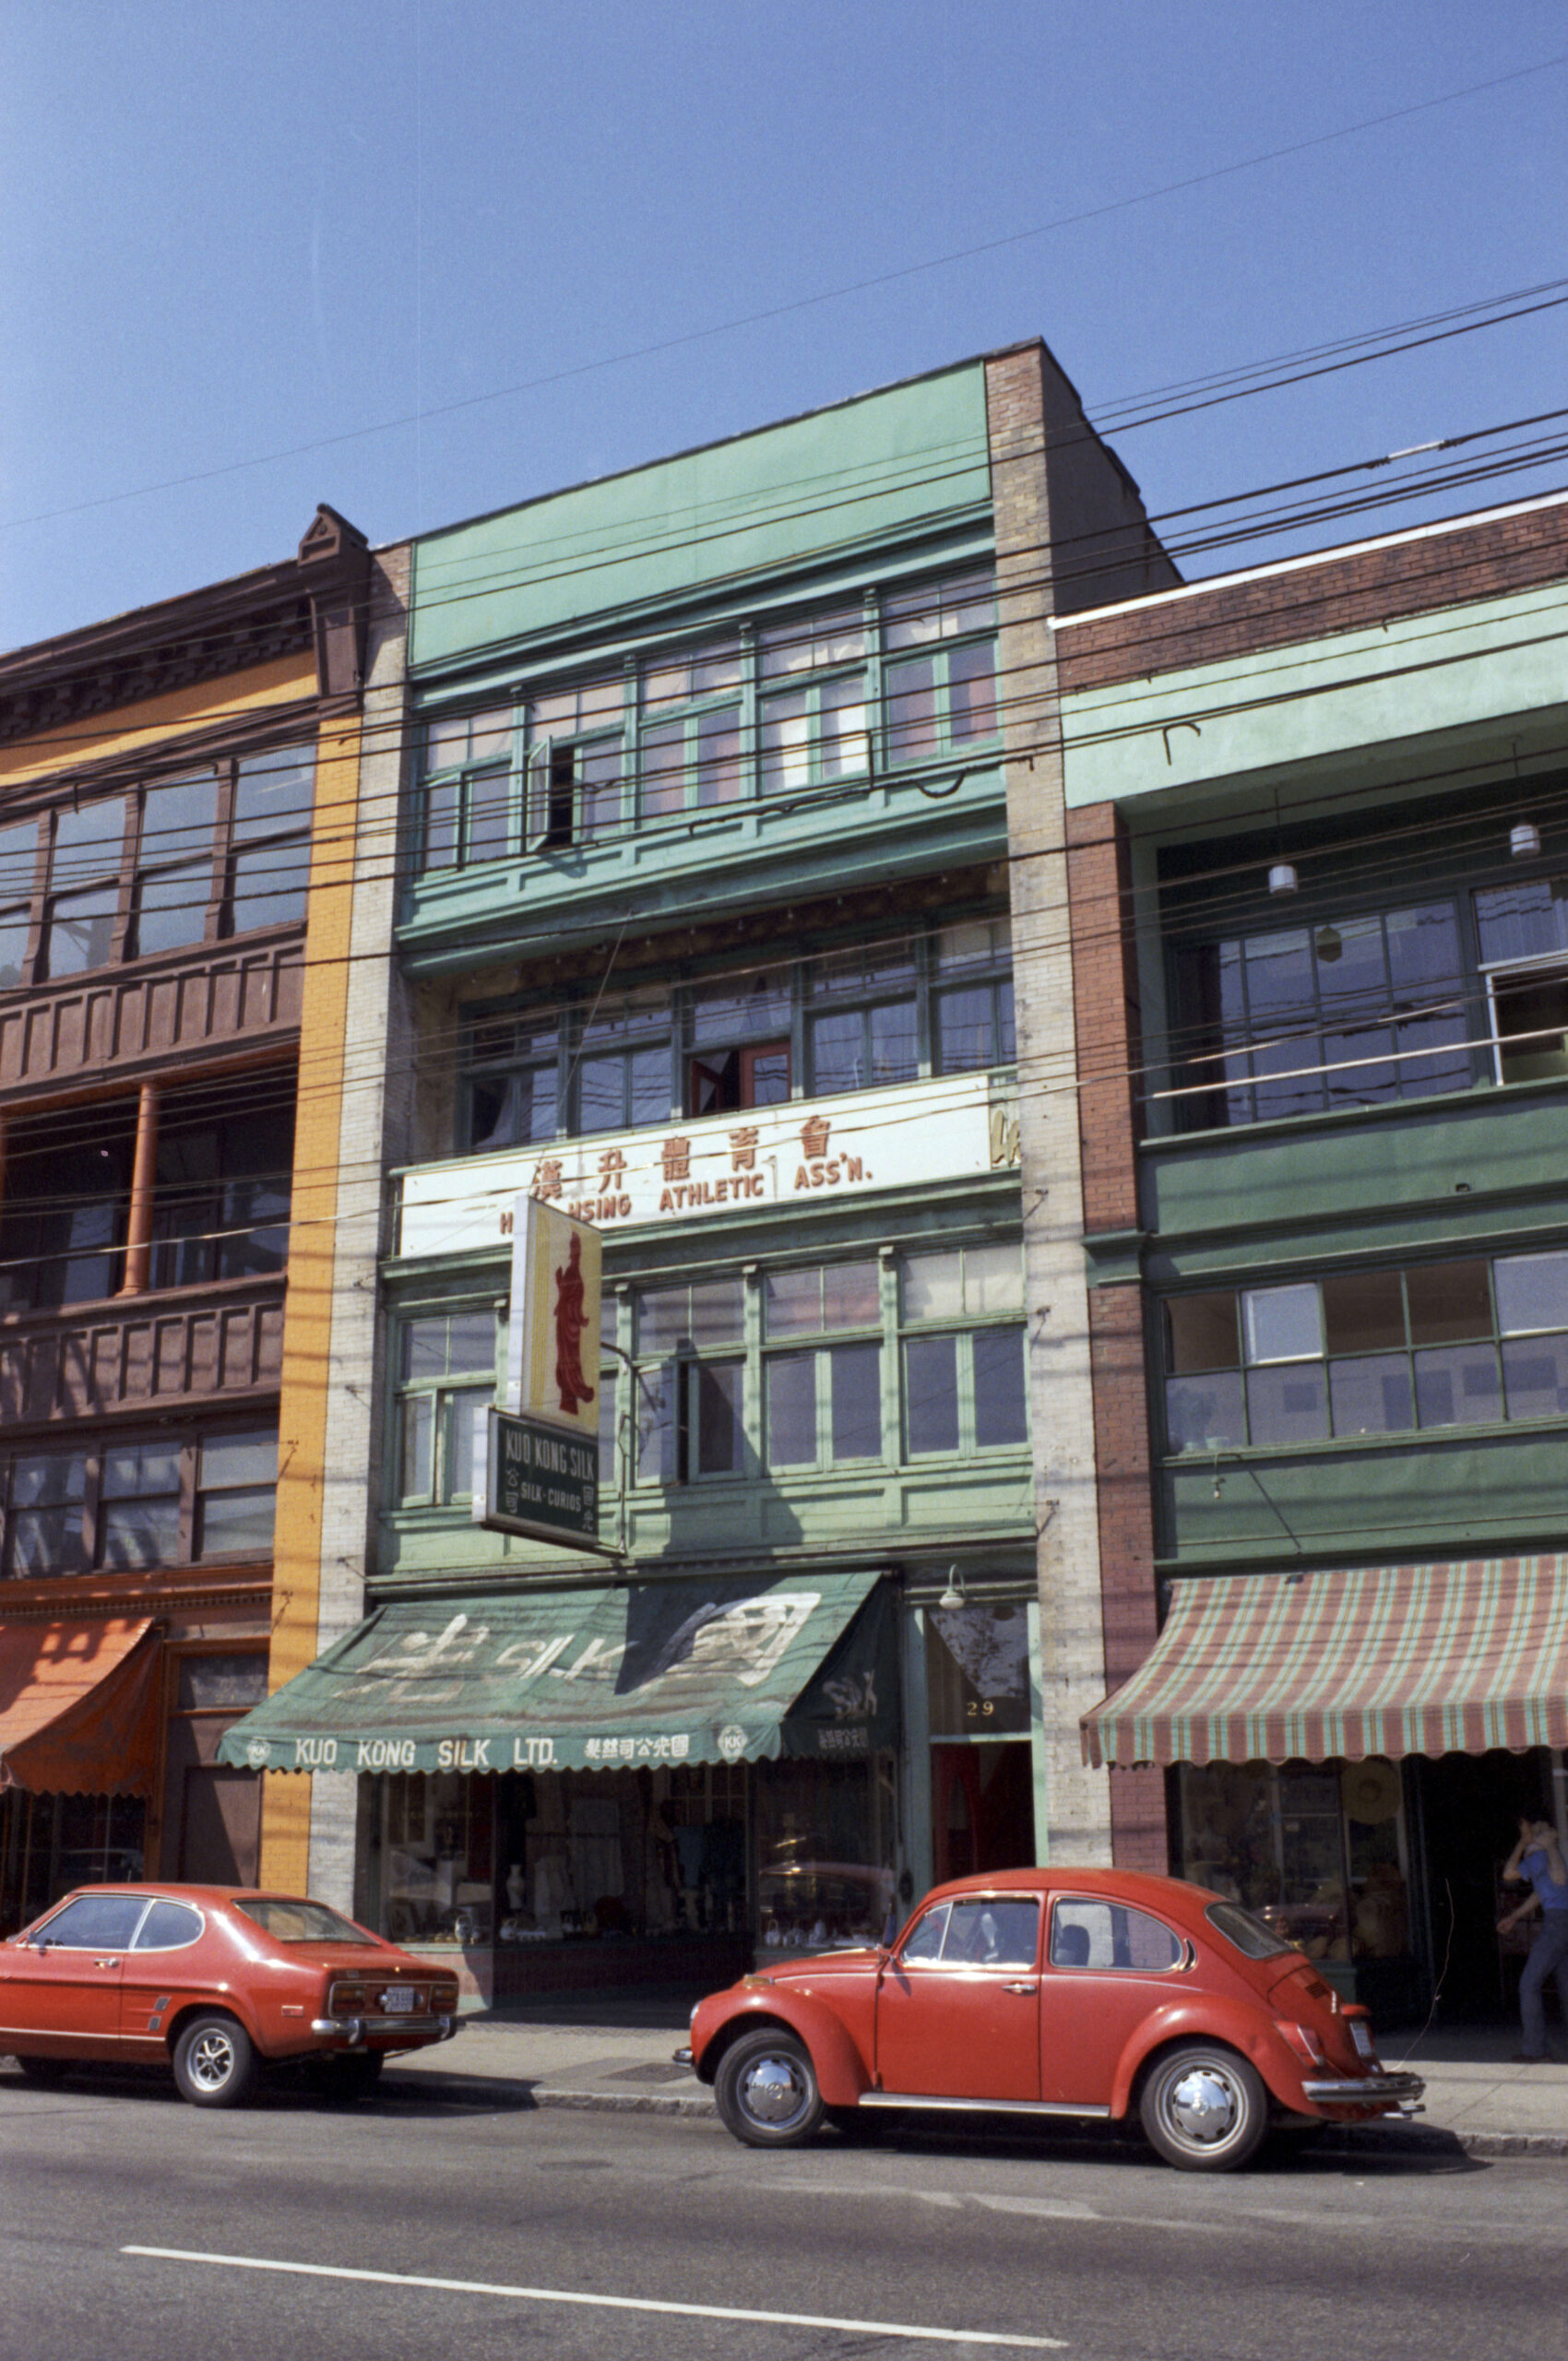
(682,1671)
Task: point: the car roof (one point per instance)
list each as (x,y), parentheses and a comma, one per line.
(173,1890)
(1120,1885)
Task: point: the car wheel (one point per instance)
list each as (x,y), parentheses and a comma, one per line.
(45,2072)
(353,2074)
(213,2061)
(766,2091)
(1204,2108)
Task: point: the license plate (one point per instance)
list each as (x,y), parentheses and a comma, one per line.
(1360,2033)
(398,2000)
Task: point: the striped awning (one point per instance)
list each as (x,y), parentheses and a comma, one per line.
(1389,1660)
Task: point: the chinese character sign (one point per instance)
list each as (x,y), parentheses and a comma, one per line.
(553,1338)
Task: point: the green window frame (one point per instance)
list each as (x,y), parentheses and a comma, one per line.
(939,667)
(446,1361)
(962,1351)
(822,1362)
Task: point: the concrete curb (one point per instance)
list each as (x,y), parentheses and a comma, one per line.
(1394,2139)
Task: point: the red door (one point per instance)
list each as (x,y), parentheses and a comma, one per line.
(1106,1968)
(957,2010)
(66,1998)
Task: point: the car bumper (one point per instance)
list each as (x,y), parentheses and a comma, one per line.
(1383,2092)
(354,2031)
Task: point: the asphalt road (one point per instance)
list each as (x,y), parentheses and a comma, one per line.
(132,2224)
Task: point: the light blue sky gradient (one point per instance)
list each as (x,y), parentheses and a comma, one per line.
(232,230)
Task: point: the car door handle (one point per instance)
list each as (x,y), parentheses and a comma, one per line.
(106,1963)
(1020,1988)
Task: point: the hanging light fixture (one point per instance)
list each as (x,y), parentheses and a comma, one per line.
(954,1594)
(1523,840)
(1282,876)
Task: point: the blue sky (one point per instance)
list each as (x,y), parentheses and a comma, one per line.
(233,232)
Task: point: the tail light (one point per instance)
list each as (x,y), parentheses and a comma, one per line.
(346,2001)
(1303,2041)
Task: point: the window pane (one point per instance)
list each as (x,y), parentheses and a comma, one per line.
(837,1046)
(250,1458)
(1289,1404)
(222,1681)
(1523,920)
(1001,1416)
(417,1444)
(934,1287)
(994,1279)
(88,842)
(270,885)
(745,1008)
(490,733)
(14,927)
(139,1533)
(925,1941)
(46,1478)
(169,1926)
(1448,1301)
(664,769)
(895,1042)
(599,774)
(647,1085)
(856,1401)
(1458,1387)
(1532,1027)
(274,791)
(720,1436)
(791,1410)
(19,856)
(1205,1413)
(656,1457)
(930,1393)
(786,742)
(235,1524)
(1366,1313)
(842,728)
(993,1933)
(966,1030)
(1281,1323)
(489,816)
(424,1347)
(441,826)
(1371,1396)
(792,1303)
(911,710)
(718,1315)
(1201,1333)
(81,931)
(470,1343)
(851,1295)
(179,819)
(971,693)
(460,1409)
(664,1316)
(1532,1292)
(47,1541)
(133,1471)
(1536,1375)
(602,1094)
(172,908)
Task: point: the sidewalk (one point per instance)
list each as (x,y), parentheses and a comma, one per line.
(613,2052)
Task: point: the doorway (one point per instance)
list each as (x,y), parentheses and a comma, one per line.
(1470,1806)
(982,1815)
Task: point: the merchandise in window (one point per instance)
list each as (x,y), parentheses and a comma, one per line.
(1317,1852)
(964,1386)
(446,1364)
(1378,1352)
(1351,1011)
(822,1402)
(132,1501)
(944,698)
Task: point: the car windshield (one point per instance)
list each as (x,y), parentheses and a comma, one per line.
(299,1922)
(1249,1934)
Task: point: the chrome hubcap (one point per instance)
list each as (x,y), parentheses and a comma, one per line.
(771,2091)
(212,2062)
(1202,2105)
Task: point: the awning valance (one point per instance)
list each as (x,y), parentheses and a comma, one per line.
(1392,1660)
(78,1706)
(681,1671)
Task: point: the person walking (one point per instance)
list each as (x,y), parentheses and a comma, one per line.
(1537,1860)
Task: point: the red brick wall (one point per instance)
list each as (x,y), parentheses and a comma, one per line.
(1341,592)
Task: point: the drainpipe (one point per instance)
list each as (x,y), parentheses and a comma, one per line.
(143,1173)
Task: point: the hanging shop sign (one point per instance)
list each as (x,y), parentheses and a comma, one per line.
(947,1128)
(531,1477)
(556,1263)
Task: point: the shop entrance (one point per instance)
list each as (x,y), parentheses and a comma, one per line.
(1470,1806)
(982,1809)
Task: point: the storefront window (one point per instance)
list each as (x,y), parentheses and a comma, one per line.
(1316,1851)
(49,1843)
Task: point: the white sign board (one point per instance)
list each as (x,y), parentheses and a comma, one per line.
(949,1128)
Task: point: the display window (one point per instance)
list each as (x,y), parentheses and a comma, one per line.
(1318,1851)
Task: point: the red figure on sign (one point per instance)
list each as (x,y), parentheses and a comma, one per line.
(569,1326)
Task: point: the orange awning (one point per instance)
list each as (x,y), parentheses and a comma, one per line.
(78,1706)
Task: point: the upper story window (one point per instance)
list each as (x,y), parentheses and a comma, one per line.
(133,1502)
(221,850)
(848,1020)
(906,676)
(961,1312)
(1368,1353)
(447,1371)
(1523,932)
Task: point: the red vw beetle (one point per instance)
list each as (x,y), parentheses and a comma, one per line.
(1052,1991)
(213,1980)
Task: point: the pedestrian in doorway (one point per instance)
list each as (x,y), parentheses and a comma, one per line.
(1537,1860)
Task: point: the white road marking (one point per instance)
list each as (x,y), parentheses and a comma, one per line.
(606,2303)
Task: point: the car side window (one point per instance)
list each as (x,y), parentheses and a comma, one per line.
(925,1942)
(95,1922)
(1109,1935)
(169,1926)
(993,1933)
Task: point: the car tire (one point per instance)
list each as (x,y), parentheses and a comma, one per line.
(214,2062)
(47,2072)
(1204,2109)
(766,2090)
